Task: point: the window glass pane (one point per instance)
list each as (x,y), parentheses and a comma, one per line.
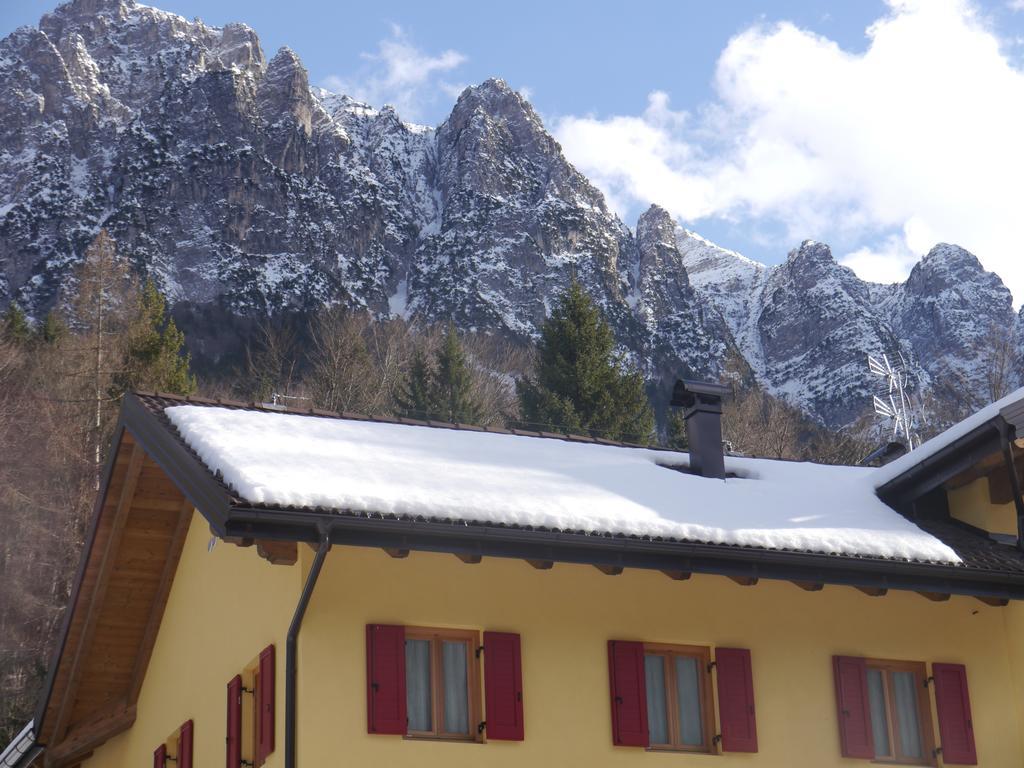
(904,688)
(456,687)
(417,684)
(691,726)
(879,718)
(657,711)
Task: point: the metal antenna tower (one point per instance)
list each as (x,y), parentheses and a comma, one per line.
(897,407)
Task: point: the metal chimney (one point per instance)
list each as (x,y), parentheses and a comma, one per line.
(703,415)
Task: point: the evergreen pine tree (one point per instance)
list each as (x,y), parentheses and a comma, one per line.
(581,384)
(677,439)
(441,388)
(53,328)
(416,396)
(14,325)
(452,382)
(153,357)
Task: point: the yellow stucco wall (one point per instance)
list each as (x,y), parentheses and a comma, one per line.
(1013,616)
(225,606)
(565,616)
(972,505)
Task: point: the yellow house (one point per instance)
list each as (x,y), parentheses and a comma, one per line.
(263,587)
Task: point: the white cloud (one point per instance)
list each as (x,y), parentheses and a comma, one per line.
(915,140)
(400,74)
(1015,5)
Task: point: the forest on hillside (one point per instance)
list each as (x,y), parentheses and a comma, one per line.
(62,379)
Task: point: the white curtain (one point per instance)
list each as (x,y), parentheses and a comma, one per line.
(879,718)
(691,726)
(904,685)
(657,714)
(456,687)
(417,684)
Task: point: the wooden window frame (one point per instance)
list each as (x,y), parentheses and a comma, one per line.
(250,725)
(705,691)
(924,711)
(172,745)
(471,639)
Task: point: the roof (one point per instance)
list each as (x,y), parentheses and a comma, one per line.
(951,451)
(276,476)
(22,750)
(293,461)
(979,565)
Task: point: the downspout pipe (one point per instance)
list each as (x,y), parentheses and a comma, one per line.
(1011,468)
(291,647)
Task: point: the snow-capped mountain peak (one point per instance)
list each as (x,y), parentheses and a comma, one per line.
(242,190)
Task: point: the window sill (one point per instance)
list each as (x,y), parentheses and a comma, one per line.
(449,739)
(681,750)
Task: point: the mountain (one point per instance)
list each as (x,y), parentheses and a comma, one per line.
(807,326)
(242,191)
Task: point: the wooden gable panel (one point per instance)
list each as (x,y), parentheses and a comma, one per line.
(100,540)
(136,544)
(126,607)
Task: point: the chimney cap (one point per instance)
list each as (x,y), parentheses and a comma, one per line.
(688,392)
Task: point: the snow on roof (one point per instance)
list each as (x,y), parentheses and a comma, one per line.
(909,460)
(282,459)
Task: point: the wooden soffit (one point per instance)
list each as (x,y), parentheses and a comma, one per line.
(132,553)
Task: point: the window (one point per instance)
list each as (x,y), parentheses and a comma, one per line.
(900,714)
(177,748)
(425,683)
(679,714)
(442,688)
(250,720)
(884,709)
(661,697)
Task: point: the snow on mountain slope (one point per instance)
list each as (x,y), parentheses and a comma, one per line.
(243,190)
(807,325)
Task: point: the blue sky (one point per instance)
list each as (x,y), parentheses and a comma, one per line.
(758,124)
(573,60)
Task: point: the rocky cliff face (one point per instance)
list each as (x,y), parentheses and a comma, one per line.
(807,325)
(242,190)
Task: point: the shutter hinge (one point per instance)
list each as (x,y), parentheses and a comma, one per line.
(937,751)
(712,665)
(717,738)
(243,689)
(248,763)
(928,680)
(480,728)
(479,651)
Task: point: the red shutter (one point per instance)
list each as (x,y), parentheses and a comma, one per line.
(629,694)
(185,745)
(234,736)
(953,706)
(385,679)
(854,708)
(736,700)
(160,756)
(503,686)
(265,706)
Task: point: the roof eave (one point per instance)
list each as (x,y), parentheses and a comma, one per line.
(954,458)
(622,551)
(194,480)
